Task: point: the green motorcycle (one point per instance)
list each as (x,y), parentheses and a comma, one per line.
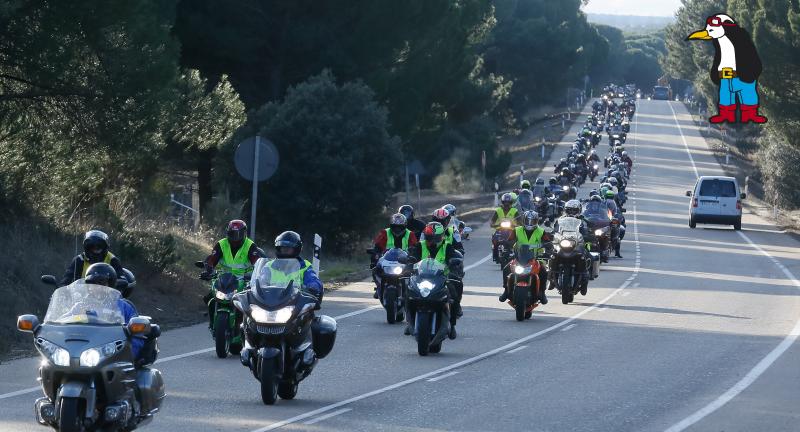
(225,319)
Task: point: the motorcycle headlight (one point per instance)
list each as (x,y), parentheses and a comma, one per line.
(595,166)
(222,296)
(59,356)
(565,188)
(425,287)
(393,270)
(264,316)
(537,199)
(598,232)
(566,244)
(521,270)
(505,224)
(93,356)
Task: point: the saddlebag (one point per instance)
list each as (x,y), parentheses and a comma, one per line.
(151,389)
(595,264)
(323,332)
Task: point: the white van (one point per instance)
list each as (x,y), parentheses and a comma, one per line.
(716,200)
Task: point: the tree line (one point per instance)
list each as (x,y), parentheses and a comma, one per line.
(100,101)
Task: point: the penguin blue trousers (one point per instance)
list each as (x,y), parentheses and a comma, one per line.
(730,87)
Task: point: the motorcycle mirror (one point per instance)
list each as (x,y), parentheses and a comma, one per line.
(468,230)
(261,253)
(200,264)
(624,210)
(49,280)
(743,195)
(237,304)
(27,323)
(139,326)
(688,193)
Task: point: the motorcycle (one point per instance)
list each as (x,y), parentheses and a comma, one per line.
(523,282)
(569,249)
(600,224)
(593,172)
(88,375)
(500,241)
(429,305)
(391,275)
(283,338)
(225,319)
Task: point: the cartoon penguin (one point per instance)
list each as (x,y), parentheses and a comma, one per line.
(735,70)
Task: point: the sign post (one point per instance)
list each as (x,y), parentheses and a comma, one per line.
(256,159)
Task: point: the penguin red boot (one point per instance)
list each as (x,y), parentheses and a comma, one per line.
(750,114)
(727,113)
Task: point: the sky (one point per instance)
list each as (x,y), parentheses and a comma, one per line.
(634,7)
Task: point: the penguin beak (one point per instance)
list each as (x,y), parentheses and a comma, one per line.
(700,34)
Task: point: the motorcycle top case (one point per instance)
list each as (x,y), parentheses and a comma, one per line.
(323,333)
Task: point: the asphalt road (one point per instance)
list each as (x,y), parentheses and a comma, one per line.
(691,330)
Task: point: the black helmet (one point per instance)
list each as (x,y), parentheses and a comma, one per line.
(553,180)
(397,224)
(101,274)
(539,181)
(407,211)
(288,245)
(95,245)
(237,231)
(595,197)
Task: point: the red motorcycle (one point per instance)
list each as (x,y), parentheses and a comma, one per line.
(523,282)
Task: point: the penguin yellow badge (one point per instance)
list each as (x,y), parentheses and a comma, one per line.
(735,69)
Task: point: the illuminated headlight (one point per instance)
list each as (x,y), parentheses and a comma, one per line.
(537,199)
(264,316)
(425,288)
(59,356)
(598,232)
(395,270)
(565,188)
(505,224)
(595,166)
(92,356)
(566,244)
(520,270)
(222,296)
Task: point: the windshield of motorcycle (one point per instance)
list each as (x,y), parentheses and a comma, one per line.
(82,303)
(525,254)
(539,191)
(525,200)
(276,281)
(569,224)
(429,268)
(595,210)
(395,255)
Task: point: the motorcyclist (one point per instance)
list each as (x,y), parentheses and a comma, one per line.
(539,188)
(616,213)
(561,164)
(235,254)
(593,157)
(451,235)
(531,234)
(105,275)
(566,177)
(451,209)
(95,250)
(396,236)
(627,160)
(434,245)
(505,211)
(288,246)
(572,210)
(552,186)
(415,225)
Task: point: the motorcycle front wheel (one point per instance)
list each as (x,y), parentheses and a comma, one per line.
(268,375)
(221,342)
(70,418)
(390,304)
(520,302)
(423,332)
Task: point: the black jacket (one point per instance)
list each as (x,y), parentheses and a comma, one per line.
(74,270)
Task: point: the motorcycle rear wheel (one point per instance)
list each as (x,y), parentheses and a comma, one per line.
(70,418)
(268,376)
(221,342)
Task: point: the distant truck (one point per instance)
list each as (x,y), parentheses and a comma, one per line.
(662,93)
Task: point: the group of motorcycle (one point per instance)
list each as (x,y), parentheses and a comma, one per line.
(579,234)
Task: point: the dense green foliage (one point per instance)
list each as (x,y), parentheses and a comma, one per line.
(775,28)
(632,58)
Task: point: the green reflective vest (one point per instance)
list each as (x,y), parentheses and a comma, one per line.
(279,278)
(237,265)
(390,239)
(109,256)
(448,236)
(510,215)
(441,255)
(534,240)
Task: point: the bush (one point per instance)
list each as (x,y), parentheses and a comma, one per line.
(152,247)
(457,176)
(337,159)
(778,161)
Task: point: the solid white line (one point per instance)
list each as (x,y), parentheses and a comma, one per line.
(327,416)
(759,368)
(357,312)
(481,261)
(517,349)
(461,363)
(571,326)
(20,392)
(626,293)
(441,377)
(691,159)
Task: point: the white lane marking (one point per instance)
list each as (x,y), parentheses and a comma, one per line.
(636,285)
(184,355)
(481,261)
(571,326)
(461,363)
(327,416)
(626,293)
(441,377)
(517,349)
(758,369)
(691,159)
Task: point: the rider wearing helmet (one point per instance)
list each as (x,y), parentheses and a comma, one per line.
(627,159)
(505,211)
(415,225)
(433,245)
(236,253)
(95,250)
(451,235)
(288,246)
(552,186)
(533,235)
(573,209)
(105,275)
(396,236)
(561,164)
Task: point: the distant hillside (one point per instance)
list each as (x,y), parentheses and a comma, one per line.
(631,23)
